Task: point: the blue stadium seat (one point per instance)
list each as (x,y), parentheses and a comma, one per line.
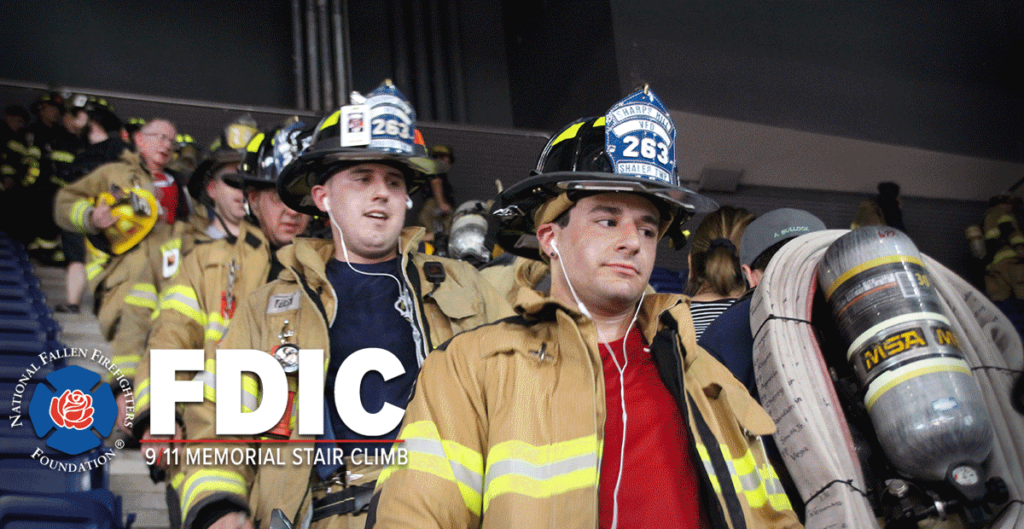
(97,509)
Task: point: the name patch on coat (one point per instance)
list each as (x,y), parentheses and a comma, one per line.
(283,302)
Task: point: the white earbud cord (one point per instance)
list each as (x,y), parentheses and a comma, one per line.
(622,382)
(404,303)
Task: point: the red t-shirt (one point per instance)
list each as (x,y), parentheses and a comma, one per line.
(167,195)
(659,481)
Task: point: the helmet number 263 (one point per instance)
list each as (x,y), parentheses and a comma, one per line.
(390,127)
(649,148)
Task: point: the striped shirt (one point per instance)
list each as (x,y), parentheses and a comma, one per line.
(705,312)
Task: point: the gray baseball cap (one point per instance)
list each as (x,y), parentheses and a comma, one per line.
(774,226)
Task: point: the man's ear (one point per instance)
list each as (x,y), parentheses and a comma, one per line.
(545,236)
(209,185)
(318,193)
(753,276)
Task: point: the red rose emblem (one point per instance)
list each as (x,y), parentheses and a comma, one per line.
(72,410)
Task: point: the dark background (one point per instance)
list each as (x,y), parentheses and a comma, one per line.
(493,77)
(942,76)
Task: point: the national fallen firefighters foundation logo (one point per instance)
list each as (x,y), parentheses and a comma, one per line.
(81,411)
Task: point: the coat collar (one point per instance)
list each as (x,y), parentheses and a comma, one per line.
(309,257)
(534,306)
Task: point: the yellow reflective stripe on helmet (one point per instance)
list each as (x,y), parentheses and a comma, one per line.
(254,143)
(517,467)
(992,233)
(331,120)
(216,326)
(142,295)
(33,152)
(1016,238)
(142,394)
(184,300)
(447,460)
(62,156)
(210,481)
(567,134)
(77,216)
(1005,218)
(599,122)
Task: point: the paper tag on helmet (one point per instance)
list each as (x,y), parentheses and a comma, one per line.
(640,138)
(354,123)
(392,121)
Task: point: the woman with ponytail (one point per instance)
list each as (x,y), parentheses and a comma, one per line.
(715,279)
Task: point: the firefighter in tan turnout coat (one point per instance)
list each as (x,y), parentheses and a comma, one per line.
(366,291)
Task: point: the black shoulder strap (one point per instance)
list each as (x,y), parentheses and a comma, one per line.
(313,295)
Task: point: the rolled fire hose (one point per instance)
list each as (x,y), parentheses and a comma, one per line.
(797,390)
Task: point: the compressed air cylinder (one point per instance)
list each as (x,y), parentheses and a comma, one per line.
(924,403)
(469,230)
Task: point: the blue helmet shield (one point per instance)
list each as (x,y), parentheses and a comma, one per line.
(640,138)
(392,121)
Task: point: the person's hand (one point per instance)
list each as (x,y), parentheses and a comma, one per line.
(122,405)
(101,217)
(160,447)
(235,520)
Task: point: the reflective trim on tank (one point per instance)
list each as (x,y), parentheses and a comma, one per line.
(872,333)
(891,378)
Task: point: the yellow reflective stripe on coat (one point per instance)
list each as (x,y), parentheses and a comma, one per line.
(142,394)
(128,363)
(1002,255)
(250,387)
(759,486)
(216,325)
(77,215)
(62,156)
(142,295)
(176,482)
(93,269)
(517,467)
(210,481)
(709,468)
(17,147)
(183,299)
(447,460)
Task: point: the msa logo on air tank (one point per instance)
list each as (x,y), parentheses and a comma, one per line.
(903,341)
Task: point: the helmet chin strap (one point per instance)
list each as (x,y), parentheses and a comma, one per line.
(579,303)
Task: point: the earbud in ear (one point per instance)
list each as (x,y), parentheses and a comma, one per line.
(327,203)
(408,202)
(554,248)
